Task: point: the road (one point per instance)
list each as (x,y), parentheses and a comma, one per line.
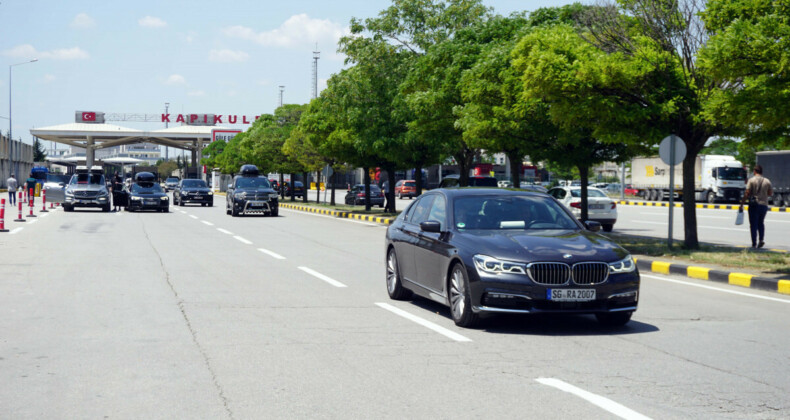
(713,225)
(194,314)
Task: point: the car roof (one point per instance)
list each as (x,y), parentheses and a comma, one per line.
(455,192)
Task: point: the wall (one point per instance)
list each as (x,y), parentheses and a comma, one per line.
(15,157)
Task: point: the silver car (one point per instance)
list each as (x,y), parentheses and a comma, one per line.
(55,187)
(87,189)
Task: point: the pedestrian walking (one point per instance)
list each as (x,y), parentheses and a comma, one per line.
(30,184)
(758,189)
(13,185)
(118,197)
(385,186)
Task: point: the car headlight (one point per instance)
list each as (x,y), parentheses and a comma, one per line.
(163,198)
(135,198)
(493,265)
(626,265)
(241,195)
(210,193)
(103,193)
(69,194)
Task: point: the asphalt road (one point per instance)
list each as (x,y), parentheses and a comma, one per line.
(194,314)
(713,225)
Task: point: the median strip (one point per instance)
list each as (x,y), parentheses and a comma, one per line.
(699,206)
(340,214)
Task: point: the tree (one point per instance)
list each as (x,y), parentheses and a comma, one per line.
(166,168)
(39,155)
(211,152)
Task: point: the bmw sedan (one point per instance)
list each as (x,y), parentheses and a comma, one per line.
(488,251)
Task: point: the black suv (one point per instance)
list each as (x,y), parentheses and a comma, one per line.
(193,191)
(146,194)
(251,193)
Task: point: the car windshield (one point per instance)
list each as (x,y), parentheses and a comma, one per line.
(252,183)
(510,212)
(732,174)
(194,183)
(171,180)
(146,188)
(58,178)
(373,188)
(590,193)
(297,184)
(87,179)
(410,184)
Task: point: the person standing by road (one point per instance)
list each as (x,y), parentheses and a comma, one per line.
(116,186)
(758,189)
(13,185)
(30,187)
(385,186)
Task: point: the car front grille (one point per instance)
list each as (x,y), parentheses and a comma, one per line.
(589,273)
(549,273)
(86,194)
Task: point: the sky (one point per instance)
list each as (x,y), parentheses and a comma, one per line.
(201,57)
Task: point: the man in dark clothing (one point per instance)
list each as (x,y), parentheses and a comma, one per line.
(118,197)
(758,189)
(30,187)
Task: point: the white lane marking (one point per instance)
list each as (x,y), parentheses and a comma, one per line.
(227,232)
(17,230)
(193,216)
(183,212)
(718,289)
(30,222)
(242,240)
(316,274)
(273,254)
(425,323)
(603,402)
(207,223)
(44,215)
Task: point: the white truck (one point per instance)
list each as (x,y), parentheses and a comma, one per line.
(716,177)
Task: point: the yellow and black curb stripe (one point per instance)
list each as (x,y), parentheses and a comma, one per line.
(340,214)
(699,206)
(704,273)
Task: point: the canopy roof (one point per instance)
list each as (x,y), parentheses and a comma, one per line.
(110,135)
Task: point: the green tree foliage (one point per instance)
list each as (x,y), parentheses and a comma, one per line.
(165,168)
(39,155)
(212,152)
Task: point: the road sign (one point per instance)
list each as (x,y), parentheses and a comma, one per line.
(667,145)
(225,135)
(327,172)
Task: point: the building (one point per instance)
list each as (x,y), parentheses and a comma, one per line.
(15,157)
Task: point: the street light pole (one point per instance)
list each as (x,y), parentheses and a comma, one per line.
(10,136)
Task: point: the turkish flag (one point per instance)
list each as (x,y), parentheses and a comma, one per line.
(88,116)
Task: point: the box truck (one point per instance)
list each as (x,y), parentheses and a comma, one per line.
(776,167)
(716,178)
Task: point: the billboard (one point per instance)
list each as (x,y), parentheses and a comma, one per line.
(225,135)
(89,117)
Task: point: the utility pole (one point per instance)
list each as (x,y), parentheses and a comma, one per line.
(167,149)
(282,89)
(316,55)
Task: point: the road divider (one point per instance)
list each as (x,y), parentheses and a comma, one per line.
(699,206)
(340,214)
(703,273)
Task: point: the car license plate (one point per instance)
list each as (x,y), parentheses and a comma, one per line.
(84,201)
(570,295)
(256,203)
(150,201)
(595,206)
(198,197)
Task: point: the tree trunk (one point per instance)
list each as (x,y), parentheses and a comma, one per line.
(318,187)
(367,188)
(465,159)
(293,188)
(332,200)
(391,192)
(583,172)
(282,187)
(515,168)
(304,197)
(418,179)
(689,200)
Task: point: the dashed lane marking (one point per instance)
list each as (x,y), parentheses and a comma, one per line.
(272,254)
(603,402)
(30,222)
(242,240)
(227,232)
(316,274)
(425,323)
(193,216)
(14,231)
(207,223)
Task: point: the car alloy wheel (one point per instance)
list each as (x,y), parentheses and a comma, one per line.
(394,286)
(460,302)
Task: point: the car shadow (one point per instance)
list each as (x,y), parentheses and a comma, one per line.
(541,324)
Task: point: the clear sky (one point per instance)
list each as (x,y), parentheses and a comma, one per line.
(202,57)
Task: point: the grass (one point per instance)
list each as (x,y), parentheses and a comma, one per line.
(763,261)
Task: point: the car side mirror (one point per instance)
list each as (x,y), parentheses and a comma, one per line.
(434,226)
(230,186)
(592,225)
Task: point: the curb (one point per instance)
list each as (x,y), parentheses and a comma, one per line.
(704,273)
(699,206)
(339,214)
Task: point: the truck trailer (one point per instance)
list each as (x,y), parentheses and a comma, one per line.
(716,178)
(776,167)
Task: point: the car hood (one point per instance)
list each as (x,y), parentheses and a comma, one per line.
(541,245)
(148,194)
(255,190)
(88,187)
(192,189)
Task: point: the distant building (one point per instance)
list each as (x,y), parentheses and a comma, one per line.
(15,157)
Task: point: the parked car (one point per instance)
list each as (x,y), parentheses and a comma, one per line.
(406,188)
(474,181)
(295,188)
(55,187)
(600,207)
(532,187)
(250,193)
(146,194)
(356,195)
(488,251)
(193,191)
(275,184)
(504,184)
(87,188)
(171,183)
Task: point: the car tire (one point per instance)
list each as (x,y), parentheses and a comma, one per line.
(275,213)
(460,300)
(234,211)
(166,210)
(105,209)
(381,206)
(711,197)
(394,284)
(210,204)
(400,195)
(68,208)
(227,210)
(607,227)
(614,319)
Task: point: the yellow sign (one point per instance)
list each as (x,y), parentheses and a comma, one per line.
(651,171)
